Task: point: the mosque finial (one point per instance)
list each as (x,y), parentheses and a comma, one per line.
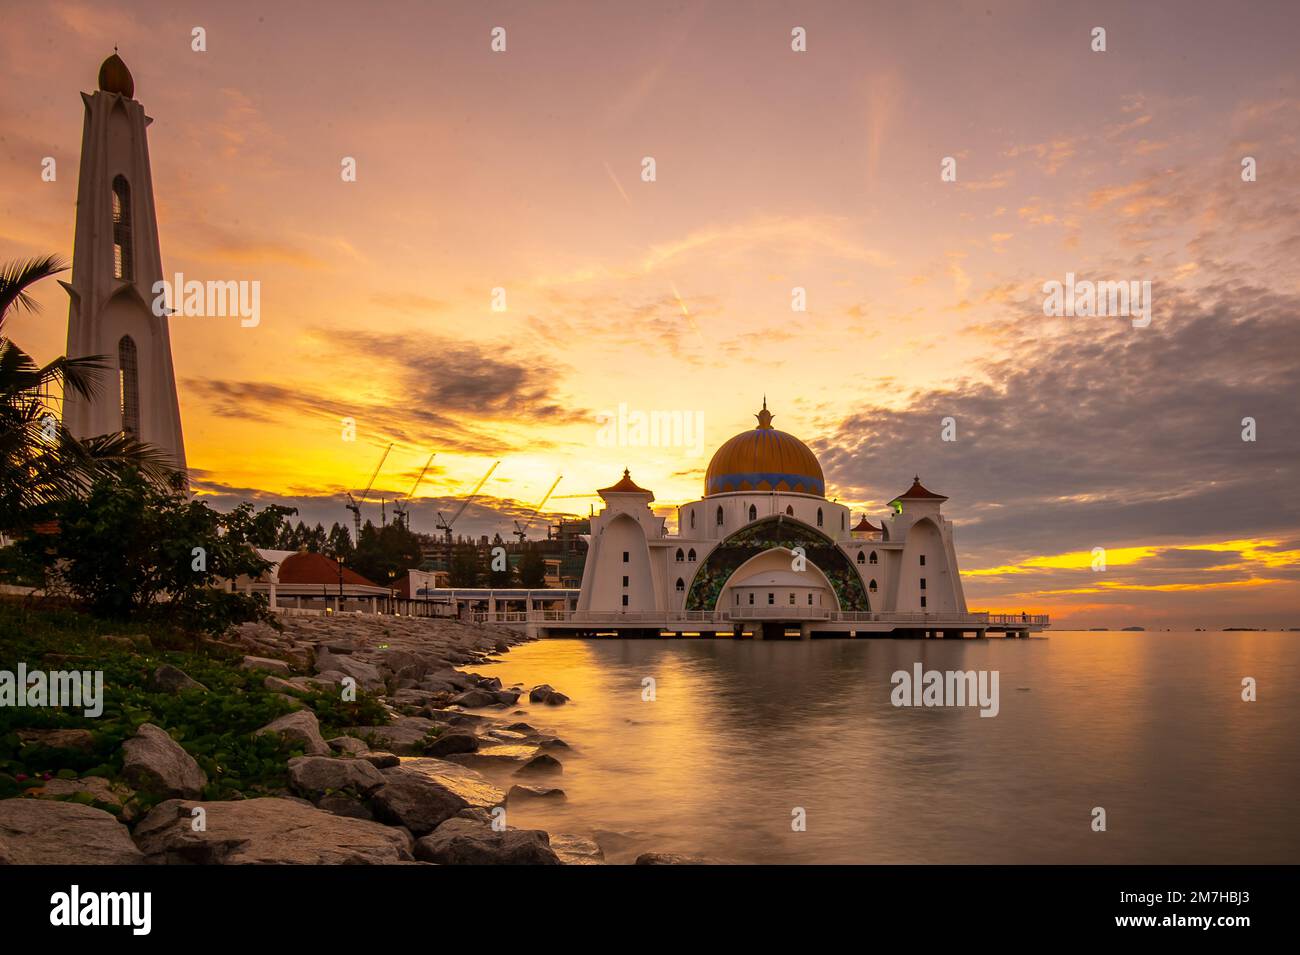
(764,417)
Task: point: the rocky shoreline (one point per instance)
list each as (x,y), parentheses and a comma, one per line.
(404,792)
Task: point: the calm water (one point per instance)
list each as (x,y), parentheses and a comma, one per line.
(1149,726)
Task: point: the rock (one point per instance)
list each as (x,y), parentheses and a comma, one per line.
(406,736)
(82,740)
(367,675)
(381,760)
(470,842)
(342,804)
(576,850)
(170,679)
(313,776)
(420,794)
(156,764)
(555,698)
(671,858)
(519,793)
(506,697)
(265,663)
(113,795)
(450,743)
(520,728)
(476,698)
(538,693)
(348,744)
(266,830)
(45,832)
(300,728)
(541,764)
(280,685)
(552,742)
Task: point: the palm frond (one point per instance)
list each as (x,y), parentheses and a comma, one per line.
(17,276)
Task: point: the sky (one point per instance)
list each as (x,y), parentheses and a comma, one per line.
(517,177)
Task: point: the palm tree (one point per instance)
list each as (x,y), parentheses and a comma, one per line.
(40,461)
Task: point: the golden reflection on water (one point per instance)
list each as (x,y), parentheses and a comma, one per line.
(1150,726)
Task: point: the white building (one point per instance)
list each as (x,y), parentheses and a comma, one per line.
(764,548)
(115,262)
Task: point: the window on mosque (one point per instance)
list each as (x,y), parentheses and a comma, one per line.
(862,558)
(690,555)
(872,587)
(922,560)
(873,557)
(753,512)
(751,599)
(922,583)
(625,556)
(680,555)
(922,601)
(122,251)
(719,515)
(681,585)
(771,598)
(789,510)
(692,520)
(792,598)
(819,517)
(810,600)
(624,580)
(625,600)
(128,377)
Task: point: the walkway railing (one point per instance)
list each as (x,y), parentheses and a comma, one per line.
(666,618)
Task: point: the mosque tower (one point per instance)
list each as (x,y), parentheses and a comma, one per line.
(115,263)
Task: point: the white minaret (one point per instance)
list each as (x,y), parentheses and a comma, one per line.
(115,263)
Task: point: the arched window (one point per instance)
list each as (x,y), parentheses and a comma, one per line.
(692,520)
(862,558)
(737,598)
(789,510)
(872,586)
(719,515)
(128,376)
(122,264)
(842,524)
(819,517)
(690,555)
(680,556)
(753,513)
(873,558)
(681,585)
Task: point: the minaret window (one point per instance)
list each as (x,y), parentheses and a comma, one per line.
(692,520)
(819,517)
(122,253)
(873,557)
(753,513)
(681,585)
(862,558)
(680,555)
(690,555)
(922,560)
(128,376)
(872,587)
(719,515)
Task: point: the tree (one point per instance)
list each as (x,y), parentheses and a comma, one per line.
(128,549)
(40,461)
(385,553)
(532,569)
(339,543)
(261,528)
(464,570)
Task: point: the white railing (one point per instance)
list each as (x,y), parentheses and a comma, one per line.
(662,618)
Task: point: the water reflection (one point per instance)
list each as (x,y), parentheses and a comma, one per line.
(740,734)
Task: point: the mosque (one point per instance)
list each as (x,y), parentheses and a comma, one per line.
(763,551)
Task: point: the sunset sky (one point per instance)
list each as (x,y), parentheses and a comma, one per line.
(522,170)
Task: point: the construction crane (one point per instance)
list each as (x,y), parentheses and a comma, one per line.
(445,525)
(522,532)
(354,505)
(400,514)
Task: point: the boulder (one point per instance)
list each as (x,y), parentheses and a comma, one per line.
(45,832)
(538,693)
(406,736)
(476,698)
(454,742)
(266,830)
(170,679)
(58,739)
(576,850)
(671,858)
(555,698)
(367,675)
(542,764)
(115,796)
(348,744)
(156,764)
(381,760)
(341,804)
(299,728)
(314,776)
(519,793)
(420,794)
(265,663)
(470,842)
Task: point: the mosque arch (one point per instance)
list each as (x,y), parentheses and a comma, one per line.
(767,534)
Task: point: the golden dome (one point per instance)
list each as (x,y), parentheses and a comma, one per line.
(764,460)
(114,77)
